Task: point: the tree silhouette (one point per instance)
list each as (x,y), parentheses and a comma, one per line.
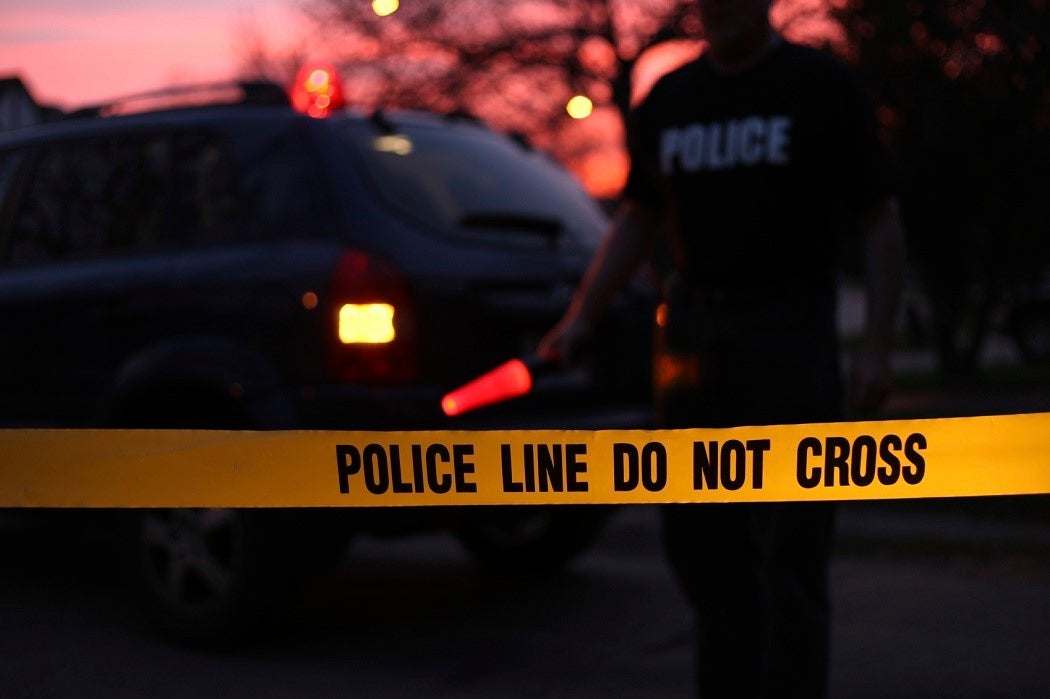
(516,63)
(513,64)
(963,102)
(511,60)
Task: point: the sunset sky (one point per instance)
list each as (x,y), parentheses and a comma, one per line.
(74,52)
(70,53)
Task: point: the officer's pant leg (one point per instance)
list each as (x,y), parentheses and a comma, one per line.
(799,538)
(756,575)
(709,549)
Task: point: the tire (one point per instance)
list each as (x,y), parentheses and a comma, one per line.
(209,577)
(212,577)
(530,541)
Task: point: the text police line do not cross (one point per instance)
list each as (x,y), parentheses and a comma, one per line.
(563,467)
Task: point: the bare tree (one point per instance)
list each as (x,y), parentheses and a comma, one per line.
(964,103)
(259,60)
(516,63)
(513,63)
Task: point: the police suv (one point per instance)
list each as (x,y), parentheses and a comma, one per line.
(239,264)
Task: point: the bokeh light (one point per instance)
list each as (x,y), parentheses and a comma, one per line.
(579,107)
(384,8)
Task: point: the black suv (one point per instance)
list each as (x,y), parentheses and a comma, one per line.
(243,266)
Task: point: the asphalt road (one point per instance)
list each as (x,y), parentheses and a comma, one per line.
(930,600)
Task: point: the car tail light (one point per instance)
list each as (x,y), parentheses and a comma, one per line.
(366,324)
(371,322)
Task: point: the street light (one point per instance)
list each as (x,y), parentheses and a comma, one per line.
(384,8)
(579,107)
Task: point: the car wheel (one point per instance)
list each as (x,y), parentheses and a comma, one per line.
(213,576)
(530,540)
(207,576)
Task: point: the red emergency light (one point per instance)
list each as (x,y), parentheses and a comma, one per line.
(317,90)
(509,380)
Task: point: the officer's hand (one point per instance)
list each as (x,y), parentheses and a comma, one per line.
(870,378)
(564,340)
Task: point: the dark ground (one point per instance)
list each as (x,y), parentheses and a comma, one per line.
(932,598)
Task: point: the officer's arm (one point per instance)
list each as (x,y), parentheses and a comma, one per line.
(621,252)
(884,272)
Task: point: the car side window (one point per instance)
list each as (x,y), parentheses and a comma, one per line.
(33,235)
(82,198)
(289,198)
(9,162)
(206,200)
(124,194)
(128,198)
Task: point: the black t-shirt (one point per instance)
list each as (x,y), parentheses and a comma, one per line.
(757,171)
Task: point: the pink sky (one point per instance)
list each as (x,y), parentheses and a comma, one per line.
(74,52)
(71,53)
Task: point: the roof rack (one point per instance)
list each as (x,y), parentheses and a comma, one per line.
(381,121)
(463,115)
(254,92)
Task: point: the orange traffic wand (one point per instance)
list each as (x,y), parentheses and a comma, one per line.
(509,380)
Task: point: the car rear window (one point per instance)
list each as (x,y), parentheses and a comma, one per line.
(468,180)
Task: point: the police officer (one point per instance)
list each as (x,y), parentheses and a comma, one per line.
(754,161)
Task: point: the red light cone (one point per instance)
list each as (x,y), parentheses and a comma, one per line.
(509,380)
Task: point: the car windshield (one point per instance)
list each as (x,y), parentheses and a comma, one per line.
(465,179)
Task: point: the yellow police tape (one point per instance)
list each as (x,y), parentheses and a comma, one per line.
(929,458)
